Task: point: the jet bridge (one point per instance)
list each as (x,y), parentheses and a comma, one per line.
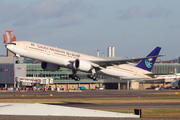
(30,81)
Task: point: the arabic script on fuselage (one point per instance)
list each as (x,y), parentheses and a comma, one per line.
(59,51)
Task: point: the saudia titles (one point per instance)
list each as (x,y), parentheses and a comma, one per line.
(148,62)
(58,50)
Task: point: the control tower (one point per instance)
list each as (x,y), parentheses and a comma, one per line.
(8,38)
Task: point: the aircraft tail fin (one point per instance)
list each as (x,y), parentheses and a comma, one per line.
(149,63)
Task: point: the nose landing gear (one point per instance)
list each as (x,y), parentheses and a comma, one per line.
(17,59)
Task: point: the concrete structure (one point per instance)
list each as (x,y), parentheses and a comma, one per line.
(166,68)
(97,53)
(8,73)
(111,52)
(9,60)
(56,110)
(134,85)
(9,53)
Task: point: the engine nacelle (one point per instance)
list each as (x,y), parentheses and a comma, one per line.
(176,83)
(82,65)
(49,66)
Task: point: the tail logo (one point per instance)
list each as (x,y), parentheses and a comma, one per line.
(148,63)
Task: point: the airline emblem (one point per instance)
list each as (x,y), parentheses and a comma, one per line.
(148,63)
(32,44)
(4,69)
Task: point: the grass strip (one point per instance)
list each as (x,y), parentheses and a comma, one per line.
(151,112)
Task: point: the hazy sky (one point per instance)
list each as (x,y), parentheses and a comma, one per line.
(134,27)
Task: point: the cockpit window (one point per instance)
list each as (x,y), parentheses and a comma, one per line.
(13,43)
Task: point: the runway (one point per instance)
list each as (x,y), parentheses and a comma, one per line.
(100,94)
(95,94)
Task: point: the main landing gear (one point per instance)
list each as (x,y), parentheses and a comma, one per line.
(93,77)
(76,78)
(73,76)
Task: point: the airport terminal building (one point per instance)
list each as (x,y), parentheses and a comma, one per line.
(11,72)
(30,73)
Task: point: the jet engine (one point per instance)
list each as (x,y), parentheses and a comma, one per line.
(49,66)
(82,65)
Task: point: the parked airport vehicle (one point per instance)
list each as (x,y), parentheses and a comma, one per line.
(176,84)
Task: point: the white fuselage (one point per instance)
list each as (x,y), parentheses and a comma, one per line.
(63,57)
(173,76)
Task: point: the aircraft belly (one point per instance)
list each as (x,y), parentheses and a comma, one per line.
(42,57)
(119,74)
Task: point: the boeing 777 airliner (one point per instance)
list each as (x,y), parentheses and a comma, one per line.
(52,58)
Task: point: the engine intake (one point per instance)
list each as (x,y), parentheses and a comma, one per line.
(82,65)
(49,66)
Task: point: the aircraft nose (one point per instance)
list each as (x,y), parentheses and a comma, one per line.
(9,47)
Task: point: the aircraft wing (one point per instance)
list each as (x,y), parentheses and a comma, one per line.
(105,63)
(159,73)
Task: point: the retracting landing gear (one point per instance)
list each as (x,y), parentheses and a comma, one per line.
(17,59)
(73,76)
(76,78)
(93,77)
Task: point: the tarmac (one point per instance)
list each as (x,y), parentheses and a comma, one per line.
(92,94)
(77,111)
(37,109)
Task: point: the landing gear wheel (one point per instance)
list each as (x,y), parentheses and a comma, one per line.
(95,79)
(74,77)
(90,76)
(77,78)
(17,62)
